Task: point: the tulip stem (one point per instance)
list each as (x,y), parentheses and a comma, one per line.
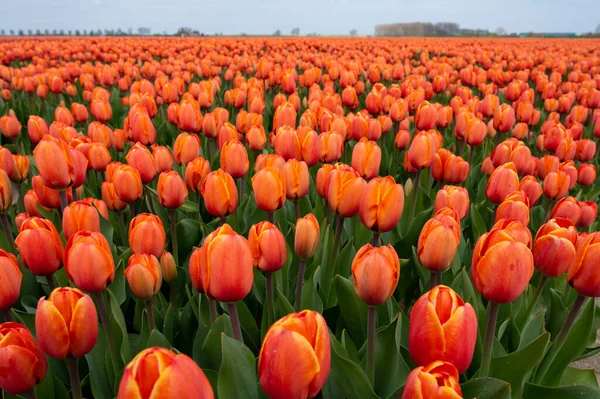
(150,312)
(434,279)
(492,315)
(31,394)
(270,217)
(148,198)
(173,218)
(21,203)
(415,193)
(64,201)
(371,324)
(8,233)
(124,236)
(107,331)
(548,210)
(212,309)
(51,282)
(297,208)
(269,298)
(241,188)
(560,339)
(74,374)
(6,315)
(536,297)
(235,322)
(375,239)
(299,284)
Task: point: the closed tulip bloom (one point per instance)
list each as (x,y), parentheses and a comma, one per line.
(556,185)
(287,143)
(66,323)
(127,183)
(366,158)
(268,185)
(195,174)
(162,157)
(36,128)
(442,327)
(296,176)
(502,264)
(47,196)
(504,118)
(222,267)
(421,151)
(110,197)
(80,112)
(40,246)
(567,208)
(256,138)
(186,148)
(375,271)
(503,181)
(447,167)
(569,168)
(532,188)
(101,109)
(548,163)
(171,189)
(98,157)
(21,359)
(402,139)
(227,132)
(586,149)
(515,206)
(54,162)
(330,146)
(220,193)
(32,202)
(142,128)
(382,204)
(143,275)
(295,358)
(10,279)
(234,159)
(475,132)
(269,160)
(437,380)
(81,167)
(189,117)
(306,239)
(147,235)
(426,116)
(583,273)
(89,262)
(20,218)
(345,192)
(589,212)
(322,175)
(159,373)
(21,169)
(586,174)
(168,267)
(554,247)
(268,246)
(454,197)
(7,161)
(6,195)
(141,159)
(439,240)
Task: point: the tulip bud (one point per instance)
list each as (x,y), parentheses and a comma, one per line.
(40,246)
(375,271)
(66,323)
(195,174)
(583,274)
(168,267)
(36,128)
(556,185)
(54,162)
(147,235)
(503,181)
(515,206)
(436,380)
(532,188)
(171,189)
(268,246)
(366,158)
(586,174)
(554,247)
(589,212)
(10,280)
(78,216)
(295,358)
(89,262)
(162,157)
(421,151)
(6,195)
(127,183)
(110,197)
(143,275)
(10,126)
(296,176)
(22,360)
(345,192)
(442,327)
(447,167)
(382,204)
(220,193)
(222,267)
(21,169)
(186,148)
(439,240)
(454,197)
(141,159)
(256,138)
(306,238)
(234,159)
(268,185)
(176,373)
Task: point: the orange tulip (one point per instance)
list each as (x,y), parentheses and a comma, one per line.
(158,373)
(269,160)
(36,128)
(40,246)
(306,239)
(589,212)
(454,197)
(556,185)
(437,380)
(127,183)
(21,168)
(99,205)
(66,323)
(256,138)
(163,158)
(554,247)
(110,197)
(147,235)
(422,150)
(402,139)
(366,158)
(330,146)
(48,197)
(475,132)
(269,189)
(382,204)
(504,118)
(234,159)
(222,267)
(171,189)
(189,117)
(143,275)
(195,174)
(220,193)
(54,162)
(295,358)
(515,206)
(532,188)
(226,133)
(442,327)
(375,271)
(586,174)
(503,181)
(268,247)
(287,143)
(10,280)
(296,177)
(439,240)
(186,148)
(141,159)
(447,167)
(345,192)
(582,274)
(142,128)
(80,112)
(89,262)
(6,195)
(10,126)
(426,116)
(502,262)
(21,358)
(98,157)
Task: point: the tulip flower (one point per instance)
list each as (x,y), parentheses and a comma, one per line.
(268,185)
(147,235)
(127,183)
(10,125)
(345,192)
(10,279)
(222,268)
(503,181)
(234,159)
(36,128)
(295,174)
(586,174)
(144,276)
(447,167)
(220,193)
(442,327)
(454,197)
(141,159)
(163,158)
(295,358)
(55,165)
(556,185)
(306,241)
(437,380)
(515,206)
(21,169)
(381,205)
(532,188)
(366,158)
(21,359)
(41,247)
(78,216)
(159,373)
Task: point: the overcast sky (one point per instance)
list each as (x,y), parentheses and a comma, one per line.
(327,17)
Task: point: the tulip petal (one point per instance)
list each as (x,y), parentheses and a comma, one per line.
(460,335)
(83,330)
(182,379)
(52,332)
(22,363)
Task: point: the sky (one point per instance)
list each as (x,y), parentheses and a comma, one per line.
(326,17)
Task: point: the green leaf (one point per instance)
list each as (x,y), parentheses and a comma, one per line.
(576,376)
(171,323)
(100,382)
(478,224)
(211,346)
(310,298)
(157,339)
(516,367)
(533,328)
(188,237)
(354,311)
(282,306)
(117,316)
(533,391)
(486,388)
(237,374)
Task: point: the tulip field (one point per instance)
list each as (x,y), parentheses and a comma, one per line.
(294,218)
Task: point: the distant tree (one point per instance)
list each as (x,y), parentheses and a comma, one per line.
(277,33)
(130,31)
(46,32)
(295,31)
(70,32)
(38,32)
(12,32)
(77,33)
(1,32)
(61,32)
(54,32)
(29,32)
(598,29)
(21,33)
(500,31)
(353,32)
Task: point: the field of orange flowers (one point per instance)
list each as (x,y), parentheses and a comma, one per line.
(297,218)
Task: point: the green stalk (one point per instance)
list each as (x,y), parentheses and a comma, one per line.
(371,324)
(492,315)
